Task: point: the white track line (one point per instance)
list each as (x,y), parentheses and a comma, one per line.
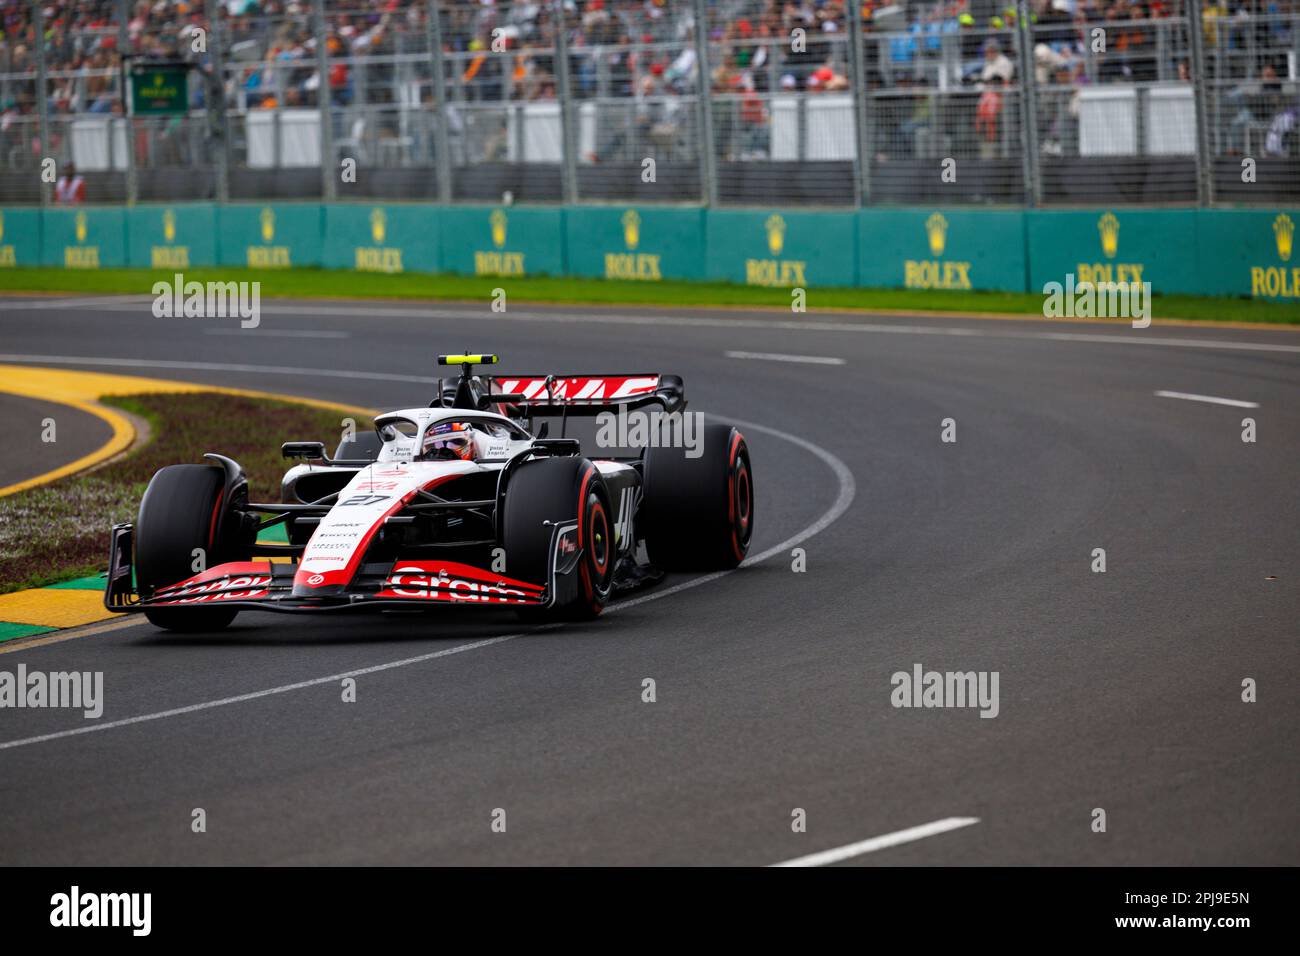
(283,689)
(108,303)
(910,835)
(281,333)
(363,310)
(782,357)
(847,490)
(1188,396)
(217,367)
(1158,340)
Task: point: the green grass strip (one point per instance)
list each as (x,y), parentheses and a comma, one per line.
(92,583)
(9,632)
(57,534)
(276,534)
(341,284)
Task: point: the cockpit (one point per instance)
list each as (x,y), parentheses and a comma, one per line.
(468,438)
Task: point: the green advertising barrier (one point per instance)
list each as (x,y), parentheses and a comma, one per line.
(642,243)
(381,238)
(171,237)
(941,249)
(279,236)
(502,241)
(20,238)
(1227,252)
(1249,252)
(1115,245)
(87,238)
(784,249)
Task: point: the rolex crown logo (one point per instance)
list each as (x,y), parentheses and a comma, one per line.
(268,224)
(936,230)
(1283,230)
(498,223)
(775,227)
(81,227)
(169,226)
(2,226)
(378,226)
(1108,226)
(631,228)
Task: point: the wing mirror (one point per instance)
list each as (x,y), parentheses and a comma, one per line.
(544,430)
(303,449)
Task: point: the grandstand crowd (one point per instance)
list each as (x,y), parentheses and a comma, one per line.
(641,49)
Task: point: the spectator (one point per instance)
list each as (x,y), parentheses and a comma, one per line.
(755,135)
(997,66)
(1253,100)
(920,120)
(1047,62)
(1138,45)
(988,113)
(70,190)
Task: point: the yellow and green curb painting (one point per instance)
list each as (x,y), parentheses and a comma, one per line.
(72,603)
(79,602)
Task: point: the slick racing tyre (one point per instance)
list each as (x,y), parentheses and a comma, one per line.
(698,513)
(557,491)
(179,513)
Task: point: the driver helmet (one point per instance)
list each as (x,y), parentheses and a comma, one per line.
(448,441)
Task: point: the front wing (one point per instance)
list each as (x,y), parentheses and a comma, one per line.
(264,585)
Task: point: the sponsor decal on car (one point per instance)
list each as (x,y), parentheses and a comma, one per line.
(336,548)
(456,583)
(596,389)
(242,588)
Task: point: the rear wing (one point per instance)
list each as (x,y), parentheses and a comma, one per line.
(567,394)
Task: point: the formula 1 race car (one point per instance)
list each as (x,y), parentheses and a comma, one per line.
(466,501)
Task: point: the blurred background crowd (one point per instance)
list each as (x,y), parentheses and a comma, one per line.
(937,74)
(639,40)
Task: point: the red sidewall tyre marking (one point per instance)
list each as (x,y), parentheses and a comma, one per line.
(739,509)
(586,529)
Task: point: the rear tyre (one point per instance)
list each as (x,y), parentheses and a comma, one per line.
(180,512)
(560,491)
(698,513)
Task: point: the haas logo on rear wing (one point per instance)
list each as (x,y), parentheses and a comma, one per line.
(591,391)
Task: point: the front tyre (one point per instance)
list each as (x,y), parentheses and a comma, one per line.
(698,513)
(559,491)
(180,513)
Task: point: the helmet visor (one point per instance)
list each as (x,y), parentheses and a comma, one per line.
(447,441)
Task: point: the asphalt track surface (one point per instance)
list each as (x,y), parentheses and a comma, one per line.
(1119,691)
(22,435)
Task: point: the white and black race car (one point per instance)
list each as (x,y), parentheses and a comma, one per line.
(466,501)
